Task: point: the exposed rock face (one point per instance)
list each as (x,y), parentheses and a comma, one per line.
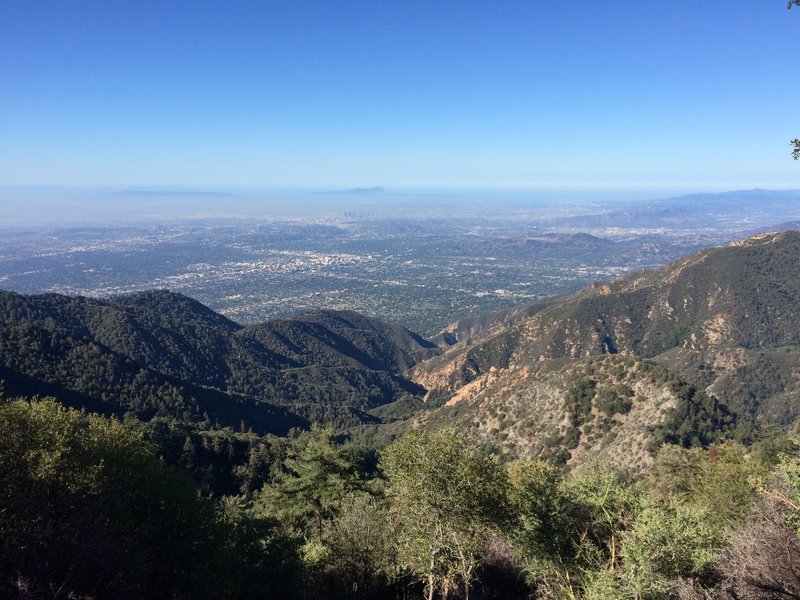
(598,408)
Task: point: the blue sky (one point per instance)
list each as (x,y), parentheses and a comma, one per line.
(687,94)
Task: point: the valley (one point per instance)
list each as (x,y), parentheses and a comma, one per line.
(420,270)
(610,363)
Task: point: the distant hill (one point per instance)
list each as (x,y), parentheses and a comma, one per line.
(555,241)
(160,353)
(696,211)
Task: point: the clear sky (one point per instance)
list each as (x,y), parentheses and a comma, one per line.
(685,93)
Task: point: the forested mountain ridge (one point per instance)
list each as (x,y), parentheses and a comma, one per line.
(160,353)
(74,349)
(744,294)
(338,338)
(723,321)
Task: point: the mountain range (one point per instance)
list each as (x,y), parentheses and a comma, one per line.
(685,353)
(160,353)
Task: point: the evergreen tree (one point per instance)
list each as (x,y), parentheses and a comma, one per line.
(317,474)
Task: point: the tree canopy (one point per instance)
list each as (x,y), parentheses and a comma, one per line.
(447,501)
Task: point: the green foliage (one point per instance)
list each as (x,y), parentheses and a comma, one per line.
(595,535)
(698,420)
(326,496)
(447,502)
(317,474)
(540,508)
(612,402)
(579,398)
(85,505)
(754,383)
(665,545)
(784,489)
(261,561)
(570,528)
(769,444)
(359,548)
(602,504)
(222,462)
(762,560)
(681,333)
(721,481)
(87,508)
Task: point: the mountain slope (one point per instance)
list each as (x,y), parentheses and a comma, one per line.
(162,353)
(340,338)
(477,328)
(42,357)
(724,322)
(613,408)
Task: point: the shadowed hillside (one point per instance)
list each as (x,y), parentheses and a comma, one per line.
(160,353)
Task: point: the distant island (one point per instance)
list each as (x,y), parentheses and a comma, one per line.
(375,189)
